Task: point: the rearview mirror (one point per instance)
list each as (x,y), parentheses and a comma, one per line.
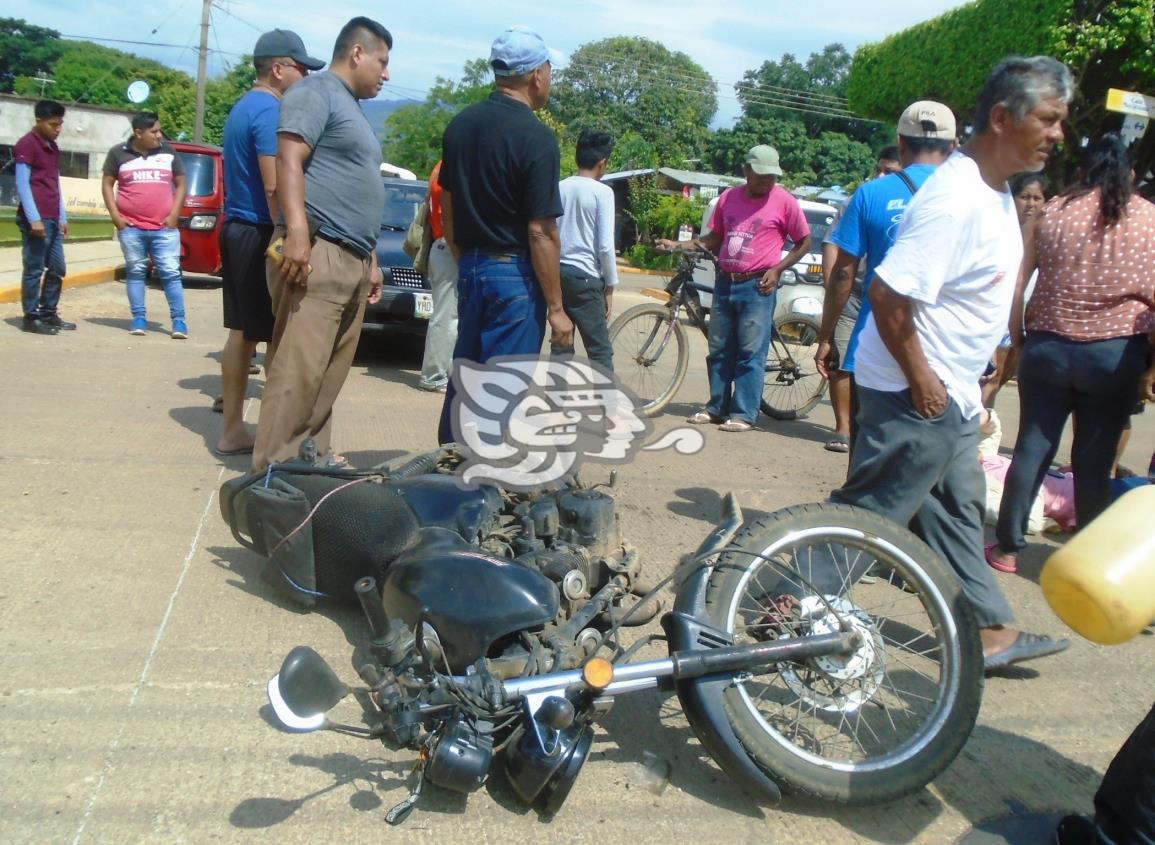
(304,690)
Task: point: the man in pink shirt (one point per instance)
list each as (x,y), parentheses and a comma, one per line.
(748,232)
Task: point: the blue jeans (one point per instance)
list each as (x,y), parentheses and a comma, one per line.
(43,260)
(740,325)
(1098,382)
(163,246)
(500,311)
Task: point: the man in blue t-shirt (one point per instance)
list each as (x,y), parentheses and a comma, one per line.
(250,153)
(926,137)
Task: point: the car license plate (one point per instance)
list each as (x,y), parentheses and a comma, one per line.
(423,305)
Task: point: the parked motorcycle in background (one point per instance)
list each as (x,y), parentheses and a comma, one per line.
(496,623)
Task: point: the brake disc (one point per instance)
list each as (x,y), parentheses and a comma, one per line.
(837,682)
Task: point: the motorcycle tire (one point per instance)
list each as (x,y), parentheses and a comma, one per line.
(648,376)
(890,717)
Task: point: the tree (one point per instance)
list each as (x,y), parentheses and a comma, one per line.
(1106,43)
(814,93)
(91,73)
(626,85)
(26,50)
(222,93)
(726,150)
(799,110)
(841,160)
(412,136)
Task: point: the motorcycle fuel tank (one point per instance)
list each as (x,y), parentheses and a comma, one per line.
(470,598)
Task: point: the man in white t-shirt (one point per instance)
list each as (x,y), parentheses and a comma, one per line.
(589,271)
(941,302)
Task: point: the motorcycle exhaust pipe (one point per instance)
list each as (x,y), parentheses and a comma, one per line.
(639,613)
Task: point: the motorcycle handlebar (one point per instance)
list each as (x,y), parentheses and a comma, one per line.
(370,598)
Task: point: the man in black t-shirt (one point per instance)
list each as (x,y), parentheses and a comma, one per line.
(500,201)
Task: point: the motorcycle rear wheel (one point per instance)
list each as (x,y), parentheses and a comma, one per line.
(887,719)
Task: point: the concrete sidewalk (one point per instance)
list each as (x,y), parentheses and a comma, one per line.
(88,262)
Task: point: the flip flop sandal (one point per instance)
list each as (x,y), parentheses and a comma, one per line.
(228,453)
(736,425)
(1000,565)
(838,443)
(702,418)
(1025,647)
(219,405)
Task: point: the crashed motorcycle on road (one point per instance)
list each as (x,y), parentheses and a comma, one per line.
(819,650)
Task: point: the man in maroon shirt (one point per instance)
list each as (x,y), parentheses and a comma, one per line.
(41,219)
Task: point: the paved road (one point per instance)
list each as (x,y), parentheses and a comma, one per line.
(136,637)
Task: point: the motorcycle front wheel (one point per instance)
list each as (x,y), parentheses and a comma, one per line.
(872,725)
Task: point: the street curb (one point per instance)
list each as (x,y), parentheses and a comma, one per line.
(625,268)
(72,280)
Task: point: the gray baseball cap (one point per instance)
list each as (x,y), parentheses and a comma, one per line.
(284,42)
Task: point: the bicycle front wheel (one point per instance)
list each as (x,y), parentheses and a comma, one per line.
(651,355)
(793,385)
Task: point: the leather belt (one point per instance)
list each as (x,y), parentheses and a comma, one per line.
(736,278)
(503,255)
(344,244)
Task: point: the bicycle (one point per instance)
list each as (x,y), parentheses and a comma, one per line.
(643,362)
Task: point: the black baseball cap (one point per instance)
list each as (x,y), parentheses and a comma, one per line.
(283,42)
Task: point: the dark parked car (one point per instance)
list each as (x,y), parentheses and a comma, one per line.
(405,297)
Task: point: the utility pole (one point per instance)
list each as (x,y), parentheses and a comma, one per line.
(43,80)
(202,69)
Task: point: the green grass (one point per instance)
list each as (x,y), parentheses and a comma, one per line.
(80,229)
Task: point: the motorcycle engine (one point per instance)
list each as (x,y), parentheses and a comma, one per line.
(572,537)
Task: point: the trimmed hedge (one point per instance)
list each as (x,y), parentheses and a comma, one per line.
(1106,44)
(948,58)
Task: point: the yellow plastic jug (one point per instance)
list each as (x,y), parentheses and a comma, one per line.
(1102,582)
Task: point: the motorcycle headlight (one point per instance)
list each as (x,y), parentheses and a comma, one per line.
(202,221)
(788,277)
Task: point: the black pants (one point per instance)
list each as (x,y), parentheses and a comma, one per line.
(584,298)
(1096,381)
(1125,802)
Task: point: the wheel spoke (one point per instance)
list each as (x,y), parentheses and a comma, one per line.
(846,709)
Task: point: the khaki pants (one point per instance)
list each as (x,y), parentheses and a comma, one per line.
(314,339)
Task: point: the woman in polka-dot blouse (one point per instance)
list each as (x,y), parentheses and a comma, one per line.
(1085,337)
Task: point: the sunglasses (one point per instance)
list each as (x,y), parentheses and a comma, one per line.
(301,69)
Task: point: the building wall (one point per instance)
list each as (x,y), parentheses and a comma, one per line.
(88,130)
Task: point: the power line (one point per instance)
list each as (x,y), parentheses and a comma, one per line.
(768,95)
(224,8)
(142,43)
(829,100)
(686,81)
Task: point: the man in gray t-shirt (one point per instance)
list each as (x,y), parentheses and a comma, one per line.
(330,193)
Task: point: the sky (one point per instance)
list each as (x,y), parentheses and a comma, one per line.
(436,37)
